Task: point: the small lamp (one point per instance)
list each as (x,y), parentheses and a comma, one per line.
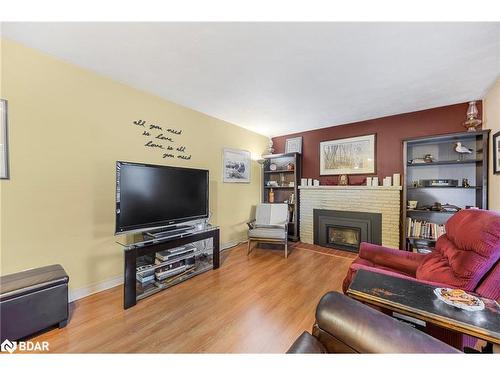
(472,121)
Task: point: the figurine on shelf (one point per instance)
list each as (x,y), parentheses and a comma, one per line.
(290,167)
(343,180)
(436,207)
(465,183)
(461,150)
(428,158)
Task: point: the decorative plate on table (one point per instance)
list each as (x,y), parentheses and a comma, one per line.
(459,298)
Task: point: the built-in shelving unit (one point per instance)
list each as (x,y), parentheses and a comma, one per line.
(281,179)
(444,164)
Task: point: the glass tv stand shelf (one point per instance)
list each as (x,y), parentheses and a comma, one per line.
(201,254)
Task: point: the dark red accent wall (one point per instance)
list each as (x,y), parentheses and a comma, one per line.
(391,131)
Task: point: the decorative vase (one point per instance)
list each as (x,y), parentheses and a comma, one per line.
(271,196)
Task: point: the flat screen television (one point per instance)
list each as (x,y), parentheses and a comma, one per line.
(154,196)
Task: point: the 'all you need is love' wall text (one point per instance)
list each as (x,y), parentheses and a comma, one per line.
(164,139)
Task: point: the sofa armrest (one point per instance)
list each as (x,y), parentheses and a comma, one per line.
(366,330)
(357,267)
(400,260)
(307,344)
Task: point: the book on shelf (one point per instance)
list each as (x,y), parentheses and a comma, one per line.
(424,229)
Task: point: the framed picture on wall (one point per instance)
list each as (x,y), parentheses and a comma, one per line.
(496,153)
(4,148)
(293,145)
(236,165)
(354,155)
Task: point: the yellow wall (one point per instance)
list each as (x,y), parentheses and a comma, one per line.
(491,117)
(67,127)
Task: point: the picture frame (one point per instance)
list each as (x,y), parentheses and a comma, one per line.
(4,144)
(496,153)
(293,145)
(351,156)
(236,165)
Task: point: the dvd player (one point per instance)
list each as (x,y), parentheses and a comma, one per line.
(169,233)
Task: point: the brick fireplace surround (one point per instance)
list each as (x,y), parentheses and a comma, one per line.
(379,199)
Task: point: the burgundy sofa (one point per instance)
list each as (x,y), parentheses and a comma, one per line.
(466,257)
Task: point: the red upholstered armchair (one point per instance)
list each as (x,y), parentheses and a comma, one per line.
(466,257)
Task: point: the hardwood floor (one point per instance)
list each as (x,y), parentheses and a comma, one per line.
(255,304)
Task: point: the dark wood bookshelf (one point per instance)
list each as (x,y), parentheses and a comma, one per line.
(447,164)
(287,170)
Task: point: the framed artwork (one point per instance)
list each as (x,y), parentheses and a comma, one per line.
(354,155)
(4,149)
(236,165)
(293,145)
(496,153)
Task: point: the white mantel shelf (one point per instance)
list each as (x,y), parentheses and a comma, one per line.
(350,187)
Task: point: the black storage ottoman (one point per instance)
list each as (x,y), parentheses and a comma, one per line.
(33,300)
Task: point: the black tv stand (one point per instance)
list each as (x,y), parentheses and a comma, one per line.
(147,247)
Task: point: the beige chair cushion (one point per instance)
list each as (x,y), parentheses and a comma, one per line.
(271,233)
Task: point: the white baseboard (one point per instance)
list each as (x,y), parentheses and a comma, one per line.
(95,288)
(79,293)
(229,245)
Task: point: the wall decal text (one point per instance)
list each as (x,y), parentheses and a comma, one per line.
(160,140)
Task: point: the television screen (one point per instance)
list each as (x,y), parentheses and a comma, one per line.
(151,196)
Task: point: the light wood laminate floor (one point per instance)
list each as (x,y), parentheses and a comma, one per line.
(255,304)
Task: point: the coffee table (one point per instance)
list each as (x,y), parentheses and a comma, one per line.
(418,300)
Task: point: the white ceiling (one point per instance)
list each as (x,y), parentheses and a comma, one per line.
(281,78)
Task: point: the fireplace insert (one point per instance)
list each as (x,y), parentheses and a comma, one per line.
(345,230)
(340,236)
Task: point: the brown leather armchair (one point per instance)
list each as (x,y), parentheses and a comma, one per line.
(344,325)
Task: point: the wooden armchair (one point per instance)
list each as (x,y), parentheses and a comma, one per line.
(270,225)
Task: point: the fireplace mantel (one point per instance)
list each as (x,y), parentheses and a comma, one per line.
(377,199)
(349,187)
